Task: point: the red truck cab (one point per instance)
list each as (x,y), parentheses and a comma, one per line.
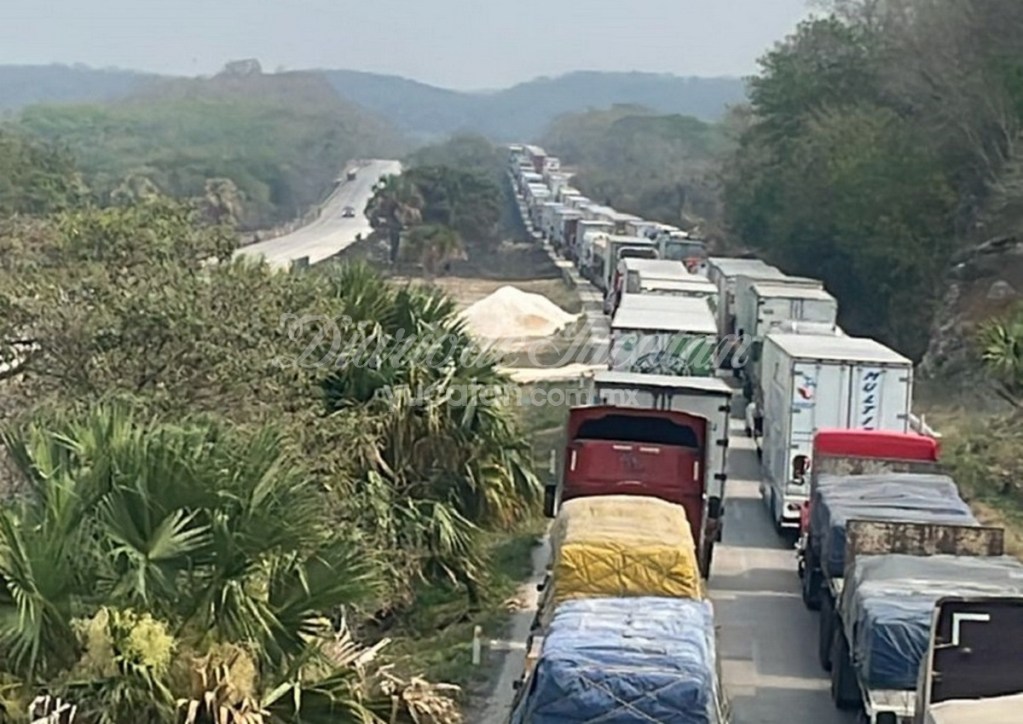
(635,451)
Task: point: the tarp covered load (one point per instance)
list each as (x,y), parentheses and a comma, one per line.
(621,545)
(890,601)
(907,497)
(625,661)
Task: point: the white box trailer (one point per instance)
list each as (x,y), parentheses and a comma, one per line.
(663,335)
(581,247)
(548,217)
(813,382)
(724,272)
(747,301)
(611,251)
(769,305)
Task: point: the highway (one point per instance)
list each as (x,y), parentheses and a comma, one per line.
(330,232)
(767,638)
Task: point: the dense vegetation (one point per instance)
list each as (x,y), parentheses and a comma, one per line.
(279,139)
(883,137)
(658,167)
(449,202)
(210,468)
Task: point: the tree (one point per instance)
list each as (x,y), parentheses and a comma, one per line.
(396,205)
(142,549)
(433,247)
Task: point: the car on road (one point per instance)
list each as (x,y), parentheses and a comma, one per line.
(348,212)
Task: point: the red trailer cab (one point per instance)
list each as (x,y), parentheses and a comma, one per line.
(635,451)
(850,452)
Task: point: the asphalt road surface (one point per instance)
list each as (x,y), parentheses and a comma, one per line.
(767,638)
(331,232)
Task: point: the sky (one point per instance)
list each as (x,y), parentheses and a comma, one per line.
(462,44)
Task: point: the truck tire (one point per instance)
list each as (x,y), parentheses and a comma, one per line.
(845,690)
(707,559)
(826,632)
(812,582)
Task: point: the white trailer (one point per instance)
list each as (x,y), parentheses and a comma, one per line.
(812,382)
(663,335)
(611,251)
(724,273)
(748,300)
(549,218)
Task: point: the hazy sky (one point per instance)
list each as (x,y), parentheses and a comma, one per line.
(454,43)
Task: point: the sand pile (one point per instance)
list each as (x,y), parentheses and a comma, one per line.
(512,313)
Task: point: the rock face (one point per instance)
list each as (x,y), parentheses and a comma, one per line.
(981,284)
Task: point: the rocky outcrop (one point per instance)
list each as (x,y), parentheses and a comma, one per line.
(985,280)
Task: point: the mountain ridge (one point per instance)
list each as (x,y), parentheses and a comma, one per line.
(423,111)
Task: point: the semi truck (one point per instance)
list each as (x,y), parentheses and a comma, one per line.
(655,334)
(655,435)
(839,452)
(895,574)
(695,287)
(609,249)
(816,382)
(973,668)
(632,273)
(580,249)
(725,273)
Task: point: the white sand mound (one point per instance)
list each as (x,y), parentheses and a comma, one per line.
(526,375)
(513,313)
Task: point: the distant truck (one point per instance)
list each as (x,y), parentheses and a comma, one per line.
(351,174)
(973,669)
(895,574)
(815,382)
(654,435)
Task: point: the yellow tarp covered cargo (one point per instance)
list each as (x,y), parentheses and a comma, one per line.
(622,545)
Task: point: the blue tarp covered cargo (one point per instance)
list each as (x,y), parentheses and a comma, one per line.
(909,497)
(889,601)
(625,661)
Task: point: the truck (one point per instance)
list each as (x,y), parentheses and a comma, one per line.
(973,668)
(565,223)
(663,335)
(654,435)
(724,273)
(852,453)
(632,273)
(680,246)
(580,247)
(814,382)
(548,216)
(695,286)
(609,249)
(895,573)
(629,659)
(759,303)
(351,174)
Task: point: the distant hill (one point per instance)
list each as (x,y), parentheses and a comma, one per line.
(524,111)
(24,85)
(419,110)
(279,138)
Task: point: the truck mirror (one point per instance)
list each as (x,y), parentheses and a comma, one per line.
(550,495)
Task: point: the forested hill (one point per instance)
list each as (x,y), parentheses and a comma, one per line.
(525,110)
(418,109)
(278,138)
(24,85)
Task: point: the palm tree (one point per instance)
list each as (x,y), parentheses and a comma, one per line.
(143,548)
(438,462)
(1002,353)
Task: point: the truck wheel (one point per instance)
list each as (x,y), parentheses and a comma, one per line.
(825,632)
(845,690)
(811,584)
(776,515)
(707,559)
